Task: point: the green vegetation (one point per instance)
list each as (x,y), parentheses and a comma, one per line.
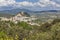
(24,31)
(6,15)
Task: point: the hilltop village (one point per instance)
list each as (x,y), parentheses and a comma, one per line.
(21,16)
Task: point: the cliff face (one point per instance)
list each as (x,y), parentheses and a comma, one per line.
(23,14)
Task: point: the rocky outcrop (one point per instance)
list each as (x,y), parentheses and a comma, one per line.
(23,14)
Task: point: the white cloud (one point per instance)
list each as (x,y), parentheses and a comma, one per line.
(55,4)
(48,2)
(6,2)
(25,3)
(40,3)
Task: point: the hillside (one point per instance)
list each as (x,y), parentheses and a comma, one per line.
(23,14)
(22,30)
(6,15)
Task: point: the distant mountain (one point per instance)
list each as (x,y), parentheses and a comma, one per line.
(11,15)
(51,11)
(47,11)
(14,11)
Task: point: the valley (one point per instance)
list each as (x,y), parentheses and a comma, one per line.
(30,26)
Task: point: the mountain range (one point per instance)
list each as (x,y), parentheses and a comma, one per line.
(14,11)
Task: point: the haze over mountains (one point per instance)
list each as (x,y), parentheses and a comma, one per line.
(14,11)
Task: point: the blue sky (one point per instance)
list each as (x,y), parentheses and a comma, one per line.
(35,5)
(27,0)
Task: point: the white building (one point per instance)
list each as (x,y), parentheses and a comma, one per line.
(21,17)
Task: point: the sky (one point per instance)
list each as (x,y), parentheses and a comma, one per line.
(34,5)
